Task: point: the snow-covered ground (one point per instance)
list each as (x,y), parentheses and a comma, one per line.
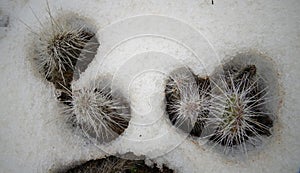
(140,43)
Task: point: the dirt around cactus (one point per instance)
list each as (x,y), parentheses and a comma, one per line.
(114,164)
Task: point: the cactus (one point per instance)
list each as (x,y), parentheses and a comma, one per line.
(100,115)
(62,49)
(238,110)
(187,100)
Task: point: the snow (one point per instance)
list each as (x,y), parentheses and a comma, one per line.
(140,43)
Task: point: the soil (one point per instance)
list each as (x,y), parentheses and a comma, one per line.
(114,164)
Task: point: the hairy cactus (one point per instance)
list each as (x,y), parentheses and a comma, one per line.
(187,100)
(99,114)
(238,110)
(63,48)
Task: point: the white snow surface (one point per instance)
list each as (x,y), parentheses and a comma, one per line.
(141,42)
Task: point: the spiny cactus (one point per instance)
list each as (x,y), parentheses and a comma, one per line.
(100,115)
(62,49)
(238,109)
(187,100)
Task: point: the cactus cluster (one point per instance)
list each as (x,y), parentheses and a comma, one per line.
(62,49)
(228,109)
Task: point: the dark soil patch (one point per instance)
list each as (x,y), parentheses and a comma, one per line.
(4,20)
(114,164)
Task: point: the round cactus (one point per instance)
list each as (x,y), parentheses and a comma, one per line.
(99,114)
(187,100)
(62,48)
(238,110)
